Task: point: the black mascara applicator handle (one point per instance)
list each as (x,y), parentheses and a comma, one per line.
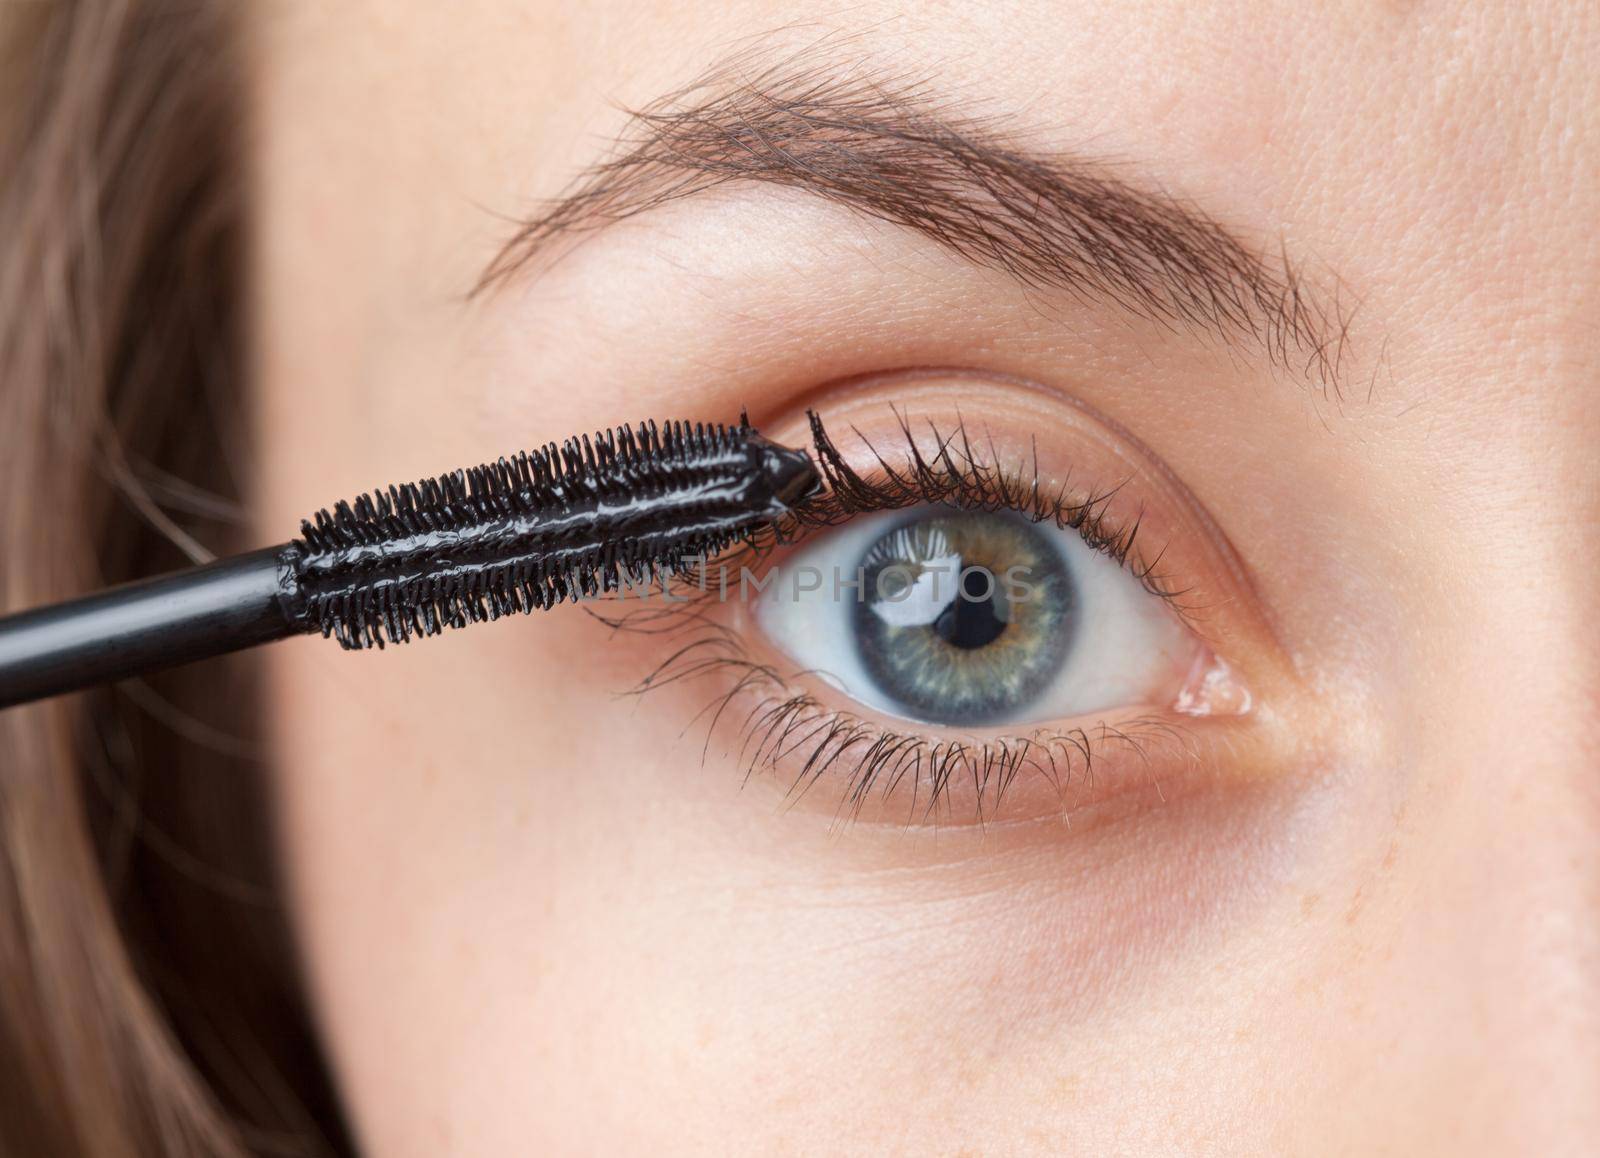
(206,611)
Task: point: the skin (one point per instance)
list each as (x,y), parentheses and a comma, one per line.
(1361,918)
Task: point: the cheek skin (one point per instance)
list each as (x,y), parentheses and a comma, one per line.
(573,893)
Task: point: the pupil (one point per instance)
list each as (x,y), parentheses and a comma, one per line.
(974,618)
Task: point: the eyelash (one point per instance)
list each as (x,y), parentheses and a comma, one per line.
(797,725)
(953,475)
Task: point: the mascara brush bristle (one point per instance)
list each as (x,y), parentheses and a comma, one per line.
(620,463)
(624,509)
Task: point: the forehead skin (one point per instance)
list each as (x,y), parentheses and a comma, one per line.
(492,945)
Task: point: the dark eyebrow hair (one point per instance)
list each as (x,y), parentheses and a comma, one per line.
(893,152)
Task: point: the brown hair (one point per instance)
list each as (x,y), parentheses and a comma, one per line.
(148,997)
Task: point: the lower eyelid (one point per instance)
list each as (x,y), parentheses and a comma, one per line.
(825,753)
(845,766)
(787,733)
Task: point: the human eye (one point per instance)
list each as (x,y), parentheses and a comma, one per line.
(953,617)
(997,608)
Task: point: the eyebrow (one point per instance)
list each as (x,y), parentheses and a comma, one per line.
(892,150)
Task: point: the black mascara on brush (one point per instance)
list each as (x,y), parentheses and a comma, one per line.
(517,535)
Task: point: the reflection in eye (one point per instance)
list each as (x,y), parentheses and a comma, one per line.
(972,618)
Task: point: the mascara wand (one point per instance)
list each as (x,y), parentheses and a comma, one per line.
(518,535)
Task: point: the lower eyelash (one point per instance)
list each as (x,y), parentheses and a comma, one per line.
(785,726)
(794,727)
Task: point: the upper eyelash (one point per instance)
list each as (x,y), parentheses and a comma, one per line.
(785,721)
(954,475)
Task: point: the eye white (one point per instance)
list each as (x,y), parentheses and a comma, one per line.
(1126,641)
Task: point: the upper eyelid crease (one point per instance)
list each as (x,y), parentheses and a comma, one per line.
(889,149)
